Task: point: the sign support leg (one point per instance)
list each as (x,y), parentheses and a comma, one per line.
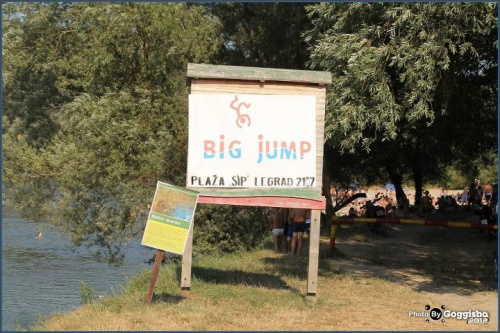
(312,273)
(187,258)
(154,275)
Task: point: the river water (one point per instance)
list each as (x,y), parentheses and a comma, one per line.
(42,276)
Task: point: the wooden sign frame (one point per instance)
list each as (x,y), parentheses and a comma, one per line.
(217,79)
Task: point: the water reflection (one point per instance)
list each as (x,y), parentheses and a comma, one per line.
(41,276)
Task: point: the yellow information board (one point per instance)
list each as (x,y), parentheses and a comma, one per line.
(170,218)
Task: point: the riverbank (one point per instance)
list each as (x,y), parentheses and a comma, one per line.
(370,283)
(41,276)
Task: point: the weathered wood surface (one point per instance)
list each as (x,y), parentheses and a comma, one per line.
(257,74)
(264,202)
(312,272)
(187,258)
(213,86)
(154,275)
(297,192)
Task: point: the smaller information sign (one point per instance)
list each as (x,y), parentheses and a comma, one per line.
(170,218)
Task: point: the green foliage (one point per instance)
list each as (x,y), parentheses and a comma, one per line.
(117,97)
(485,169)
(228,228)
(139,283)
(454,179)
(388,61)
(262,34)
(95,100)
(86,293)
(489,169)
(414,85)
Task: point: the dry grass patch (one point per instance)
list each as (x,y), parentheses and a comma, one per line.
(264,291)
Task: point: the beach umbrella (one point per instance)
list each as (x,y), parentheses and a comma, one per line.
(390,187)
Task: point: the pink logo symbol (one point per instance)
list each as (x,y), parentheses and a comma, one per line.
(242,118)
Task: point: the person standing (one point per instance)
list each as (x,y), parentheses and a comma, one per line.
(479,197)
(352,213)
(299,217)
(488,192)
(278,228)
(427,205)
(473,194)
(465,196)
(288,229)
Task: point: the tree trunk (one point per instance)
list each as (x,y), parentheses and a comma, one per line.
(417,179)
(397,181)
(326,189)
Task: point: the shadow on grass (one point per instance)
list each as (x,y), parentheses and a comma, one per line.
(441,259)
(288,265)
(457,272)
(238,277)
(167,298)
(297,267)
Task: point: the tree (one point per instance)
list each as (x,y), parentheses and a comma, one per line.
(395,71)
(262,35)
(96,110)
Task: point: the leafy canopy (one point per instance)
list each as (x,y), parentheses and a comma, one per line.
(414,85)
(387,62)
(96,110)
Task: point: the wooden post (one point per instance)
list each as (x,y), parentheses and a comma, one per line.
(154,275)
(187,258)
(312,273)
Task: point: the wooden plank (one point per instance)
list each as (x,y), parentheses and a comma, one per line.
(295,192)
(264,202)
(320,126)
(257,74)
(312,272)
(204,86)
(187,259)
(154,275)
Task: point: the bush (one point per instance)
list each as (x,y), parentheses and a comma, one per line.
(228,229)
(86,293)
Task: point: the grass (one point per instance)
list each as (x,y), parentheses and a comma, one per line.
(258,290)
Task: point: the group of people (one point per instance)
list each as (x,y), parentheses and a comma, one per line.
(341,192)
(476,193)
(288,228)
(359,207)
(473,195)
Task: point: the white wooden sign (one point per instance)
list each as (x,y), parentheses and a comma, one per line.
(252,141)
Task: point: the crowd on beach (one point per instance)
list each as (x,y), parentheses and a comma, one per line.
(289,225)
(472,196)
